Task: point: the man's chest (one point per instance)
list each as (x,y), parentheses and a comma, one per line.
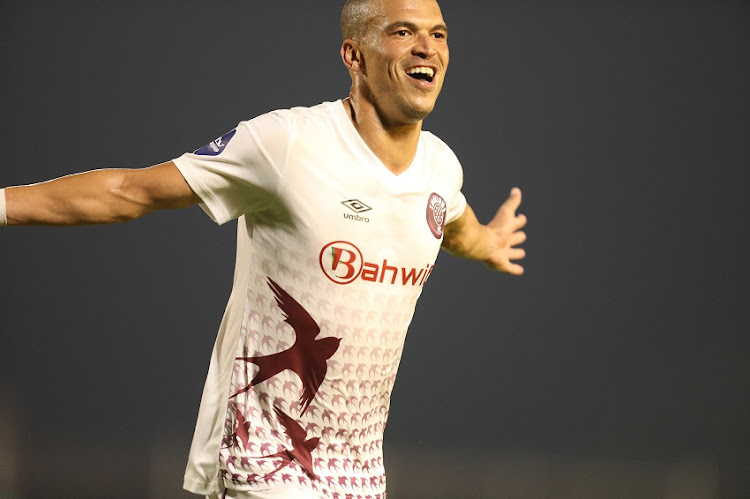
(336,197)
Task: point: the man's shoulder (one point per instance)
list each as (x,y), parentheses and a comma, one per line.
(300,113)
(435,145)
(284,122)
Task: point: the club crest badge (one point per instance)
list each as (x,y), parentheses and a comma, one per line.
(215,147)
(437,208)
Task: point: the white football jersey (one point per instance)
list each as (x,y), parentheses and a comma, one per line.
(332,253)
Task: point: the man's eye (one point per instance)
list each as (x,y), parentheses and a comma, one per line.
(402,32)
(439,35)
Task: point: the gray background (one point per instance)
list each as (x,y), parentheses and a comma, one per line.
(620,357)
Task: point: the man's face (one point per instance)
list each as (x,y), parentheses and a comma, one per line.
(404,59)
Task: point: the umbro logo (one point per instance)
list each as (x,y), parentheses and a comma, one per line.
(357,207)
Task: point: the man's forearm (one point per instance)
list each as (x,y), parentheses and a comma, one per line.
(94,197)
(99,197)
(466,237)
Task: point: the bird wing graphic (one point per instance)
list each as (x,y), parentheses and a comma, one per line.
(308,394)
(295,432)
(241,433)
(296,316)
(315,376)
(268,366)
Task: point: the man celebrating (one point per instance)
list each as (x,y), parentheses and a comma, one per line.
(342,209)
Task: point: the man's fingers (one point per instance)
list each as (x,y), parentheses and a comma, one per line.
(508,226)
(517,238)
(514,269)
(507,211)
(520,222)
(514,200)
(516,254)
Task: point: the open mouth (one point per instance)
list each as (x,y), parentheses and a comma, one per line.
(421,73)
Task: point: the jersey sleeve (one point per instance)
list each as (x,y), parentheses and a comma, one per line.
(456,208)
(450,174)
(240,172)
(457,205)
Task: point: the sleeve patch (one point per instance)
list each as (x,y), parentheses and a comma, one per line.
(214,148)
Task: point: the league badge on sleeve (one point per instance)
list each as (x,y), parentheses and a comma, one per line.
(215,147)
(436,210)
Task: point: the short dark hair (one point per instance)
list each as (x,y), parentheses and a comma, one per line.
(355,18)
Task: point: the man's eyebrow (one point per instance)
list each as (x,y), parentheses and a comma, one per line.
(413,27)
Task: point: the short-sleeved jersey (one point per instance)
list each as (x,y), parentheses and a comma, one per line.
(332,253)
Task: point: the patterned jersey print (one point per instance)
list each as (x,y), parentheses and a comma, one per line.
(312,381)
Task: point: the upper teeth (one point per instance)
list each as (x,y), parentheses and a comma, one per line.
(428,71)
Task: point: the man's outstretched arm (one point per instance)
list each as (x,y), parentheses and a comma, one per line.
(99,197)
(494,243)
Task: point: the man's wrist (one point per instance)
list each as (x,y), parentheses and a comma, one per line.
(3,211)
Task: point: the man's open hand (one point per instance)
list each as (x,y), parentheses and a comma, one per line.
(504,233)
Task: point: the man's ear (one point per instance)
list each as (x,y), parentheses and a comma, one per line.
(351,55)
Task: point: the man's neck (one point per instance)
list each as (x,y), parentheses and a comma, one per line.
(394,145)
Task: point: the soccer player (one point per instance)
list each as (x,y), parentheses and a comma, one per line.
(342,209)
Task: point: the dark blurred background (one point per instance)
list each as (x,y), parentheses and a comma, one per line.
(618,366)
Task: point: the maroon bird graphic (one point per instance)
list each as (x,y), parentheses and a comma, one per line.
(241,435)
(288,385)
(265,447)
(307,357)
(301,450)
(273,383)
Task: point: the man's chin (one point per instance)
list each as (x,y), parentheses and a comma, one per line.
(418,111)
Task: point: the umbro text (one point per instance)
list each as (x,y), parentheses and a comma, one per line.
(356,218)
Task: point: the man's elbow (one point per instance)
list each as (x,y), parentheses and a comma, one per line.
(127,199)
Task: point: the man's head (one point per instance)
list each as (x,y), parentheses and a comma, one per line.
(397,54)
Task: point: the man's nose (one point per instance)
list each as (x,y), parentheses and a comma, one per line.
(424,46)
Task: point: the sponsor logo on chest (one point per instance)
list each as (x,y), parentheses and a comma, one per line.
(342,262)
